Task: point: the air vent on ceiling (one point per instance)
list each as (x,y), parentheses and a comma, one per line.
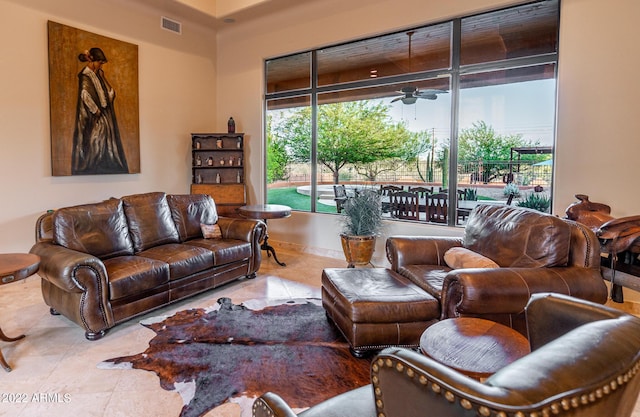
(171,25)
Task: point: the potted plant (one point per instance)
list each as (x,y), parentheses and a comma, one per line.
(361,224)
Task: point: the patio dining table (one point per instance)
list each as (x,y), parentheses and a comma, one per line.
(464,207)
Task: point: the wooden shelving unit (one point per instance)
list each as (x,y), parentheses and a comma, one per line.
(218,169)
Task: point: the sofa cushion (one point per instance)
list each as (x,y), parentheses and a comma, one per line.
(183,259)
(459,258)
(517,237)
(189,211)
(428,277)
(149,219)
(130,275)
(98,229)
(224,250)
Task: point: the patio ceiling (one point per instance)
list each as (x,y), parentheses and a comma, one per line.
(491,37)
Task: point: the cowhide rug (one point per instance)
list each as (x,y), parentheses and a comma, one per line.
(237,352)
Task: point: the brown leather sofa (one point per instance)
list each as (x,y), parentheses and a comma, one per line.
(585,362)
(104,263)
(535,252)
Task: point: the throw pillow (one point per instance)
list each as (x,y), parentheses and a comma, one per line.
(459,258)
(211,231)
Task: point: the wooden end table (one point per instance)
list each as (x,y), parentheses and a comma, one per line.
(15,267)
(264,212)
(475,347)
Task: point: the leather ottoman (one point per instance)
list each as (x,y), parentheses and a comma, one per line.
(376,308)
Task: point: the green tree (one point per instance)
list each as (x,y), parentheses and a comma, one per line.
(408,151)
(277,157)
(481,144)
(356,133)
(420,143)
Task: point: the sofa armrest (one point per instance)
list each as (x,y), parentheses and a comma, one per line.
(419,250)
(271,405)
(60,265)
(77,273)
(507,290)
(247,230)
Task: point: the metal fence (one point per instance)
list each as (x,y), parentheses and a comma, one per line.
(523,173)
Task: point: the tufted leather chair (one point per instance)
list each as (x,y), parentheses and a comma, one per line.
(584,362)
(535,252)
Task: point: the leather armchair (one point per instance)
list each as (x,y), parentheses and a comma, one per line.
(584,362)
(535,252)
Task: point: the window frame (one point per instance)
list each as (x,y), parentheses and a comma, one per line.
(455,71)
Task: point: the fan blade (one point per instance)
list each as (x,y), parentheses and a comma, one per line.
(429,93)
(396,99)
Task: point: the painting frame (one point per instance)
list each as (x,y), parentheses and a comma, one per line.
(76,103)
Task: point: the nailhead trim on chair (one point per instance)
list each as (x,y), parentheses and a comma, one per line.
(556,408)
(259,403)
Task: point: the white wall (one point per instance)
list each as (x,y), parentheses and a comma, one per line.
(598,120)
(177,80)
(597,145)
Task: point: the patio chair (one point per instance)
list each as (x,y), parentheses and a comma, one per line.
(404,205)
(423,192)
(437,205)
(385,192)
(340,196)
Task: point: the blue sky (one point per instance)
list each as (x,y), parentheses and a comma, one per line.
(526,108)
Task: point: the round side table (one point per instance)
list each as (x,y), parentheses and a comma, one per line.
(15,267)
(264,212)
(475,347)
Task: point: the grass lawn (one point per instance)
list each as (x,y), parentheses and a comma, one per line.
(290,197)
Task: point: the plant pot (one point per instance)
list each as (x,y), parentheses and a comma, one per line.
(358,250)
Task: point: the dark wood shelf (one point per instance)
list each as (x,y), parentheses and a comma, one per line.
(229,194)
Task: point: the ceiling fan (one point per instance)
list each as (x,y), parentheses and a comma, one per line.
(411,94)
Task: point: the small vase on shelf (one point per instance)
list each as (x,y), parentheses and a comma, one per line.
(231,125)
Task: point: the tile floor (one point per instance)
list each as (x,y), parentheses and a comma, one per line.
(55,368)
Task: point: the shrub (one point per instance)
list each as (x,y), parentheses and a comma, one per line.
(470,194)
(511,189)
(536,201)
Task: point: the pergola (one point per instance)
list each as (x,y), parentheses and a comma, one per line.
(525,150)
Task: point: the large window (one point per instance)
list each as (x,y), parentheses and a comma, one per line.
(463,108)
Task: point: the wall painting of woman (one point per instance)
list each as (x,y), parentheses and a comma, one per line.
(93,82)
